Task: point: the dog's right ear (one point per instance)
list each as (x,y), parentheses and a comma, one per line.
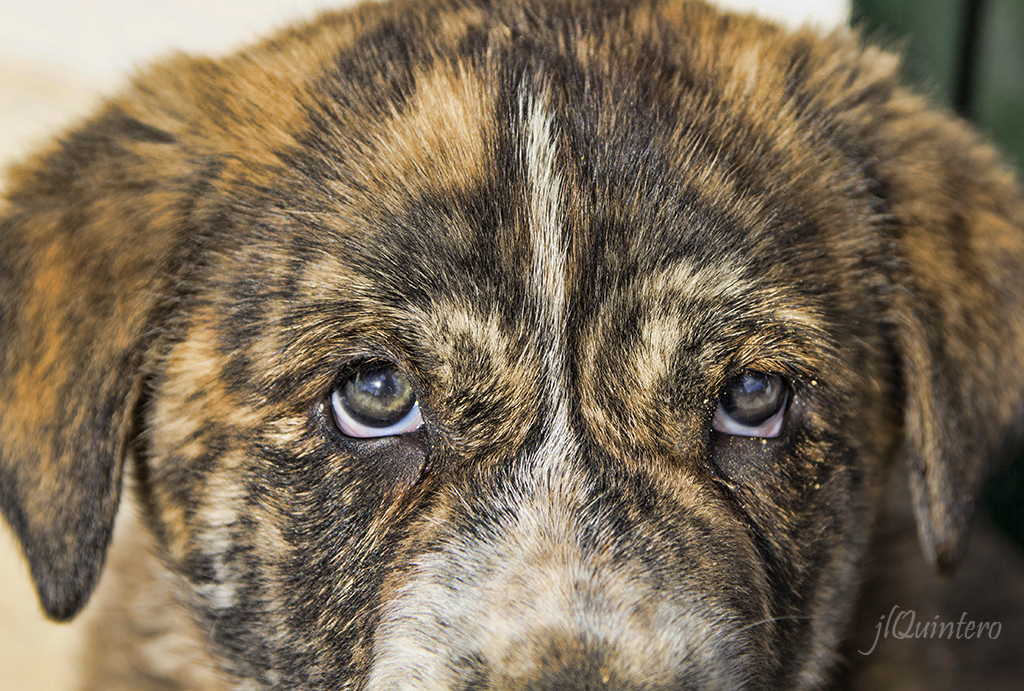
(89,234)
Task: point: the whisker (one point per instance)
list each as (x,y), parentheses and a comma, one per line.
(772,620)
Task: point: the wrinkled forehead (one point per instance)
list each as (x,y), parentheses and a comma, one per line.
(532,203)
(493,184)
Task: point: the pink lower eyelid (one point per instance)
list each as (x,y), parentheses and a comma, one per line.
(353,432)
(774,429)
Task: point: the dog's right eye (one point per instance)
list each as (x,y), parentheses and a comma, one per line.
(752,405)
(376,402)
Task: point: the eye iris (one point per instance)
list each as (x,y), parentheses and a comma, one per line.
(378,397)
(754,398)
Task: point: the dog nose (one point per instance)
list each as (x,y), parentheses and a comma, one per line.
(560,661)
(550,661)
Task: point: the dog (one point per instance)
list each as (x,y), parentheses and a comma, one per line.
(509,344)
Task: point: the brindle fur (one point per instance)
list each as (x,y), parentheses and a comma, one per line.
(570,223)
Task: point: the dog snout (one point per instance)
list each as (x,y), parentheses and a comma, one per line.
(587,583)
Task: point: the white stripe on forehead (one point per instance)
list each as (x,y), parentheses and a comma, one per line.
(545,193)
(548,269)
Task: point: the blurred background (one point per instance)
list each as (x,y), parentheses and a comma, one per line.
(58,57)
(969,54)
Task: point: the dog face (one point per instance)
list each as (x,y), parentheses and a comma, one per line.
(511,345)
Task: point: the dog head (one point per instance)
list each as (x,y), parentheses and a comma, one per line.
(508,345)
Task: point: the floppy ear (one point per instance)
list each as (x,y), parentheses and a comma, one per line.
(87,234)
(957,306)
(956,228)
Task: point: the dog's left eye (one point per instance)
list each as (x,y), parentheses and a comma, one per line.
(376,402)
(752,405)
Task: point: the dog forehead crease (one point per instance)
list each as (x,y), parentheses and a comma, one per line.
(562,241)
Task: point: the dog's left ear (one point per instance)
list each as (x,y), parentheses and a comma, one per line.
(957,305)
(955,220)
(88,235)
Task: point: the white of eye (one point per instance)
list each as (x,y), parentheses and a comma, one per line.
(351,427)
(772,427)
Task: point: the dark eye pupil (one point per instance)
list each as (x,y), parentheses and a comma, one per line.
(378,397)
(753,398)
